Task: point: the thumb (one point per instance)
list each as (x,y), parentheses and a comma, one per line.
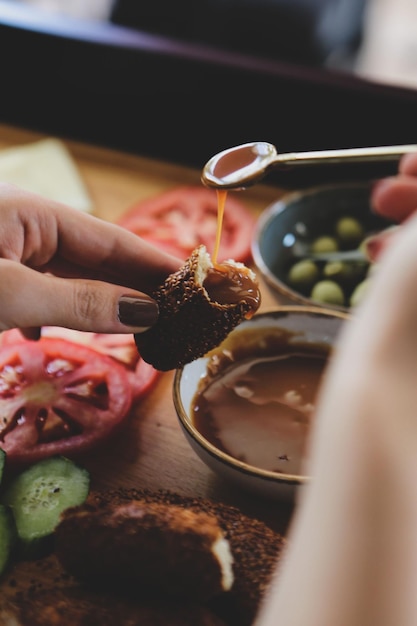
(375,245)
(30,298)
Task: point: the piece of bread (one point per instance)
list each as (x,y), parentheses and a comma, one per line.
(192,320)
(158,548)
(42,592)
(255,547)
(63,602)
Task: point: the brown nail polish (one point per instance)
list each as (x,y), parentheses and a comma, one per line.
(139,312)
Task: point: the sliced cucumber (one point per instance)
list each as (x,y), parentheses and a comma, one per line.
(37,498)
(8,536)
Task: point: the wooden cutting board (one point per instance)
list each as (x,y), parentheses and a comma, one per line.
(151,452)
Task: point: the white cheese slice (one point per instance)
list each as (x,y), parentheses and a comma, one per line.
(47,168)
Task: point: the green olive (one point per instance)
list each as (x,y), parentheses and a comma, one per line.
(303,273)
(346,272)
(349,230)
(325,243)
(328,292)
(338,270)
(359,292)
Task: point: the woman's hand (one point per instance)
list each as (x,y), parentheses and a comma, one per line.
(352,551)
(61,267)
(396,199)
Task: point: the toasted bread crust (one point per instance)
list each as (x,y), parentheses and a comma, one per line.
(189,323)
(255,548)
(74,605)
(163,549)
(57,597)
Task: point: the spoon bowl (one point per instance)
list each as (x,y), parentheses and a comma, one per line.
(239,167)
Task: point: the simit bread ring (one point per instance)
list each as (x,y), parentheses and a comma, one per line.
(255,547)
(162,549)
(198,307)
(61,601)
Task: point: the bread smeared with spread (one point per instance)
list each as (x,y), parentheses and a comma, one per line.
(199,305)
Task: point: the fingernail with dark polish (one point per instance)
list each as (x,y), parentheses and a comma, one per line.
(138,312)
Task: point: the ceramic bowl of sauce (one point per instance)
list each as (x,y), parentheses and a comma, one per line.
(247,408)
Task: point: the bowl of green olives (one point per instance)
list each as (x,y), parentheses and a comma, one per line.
(309,245)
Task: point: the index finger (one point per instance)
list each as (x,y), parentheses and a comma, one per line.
(395,198)
(111,250)
(50,236)
(408,164)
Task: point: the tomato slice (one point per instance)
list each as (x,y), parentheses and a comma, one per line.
(120,347)
(8,337)
(180,219)
(58,397)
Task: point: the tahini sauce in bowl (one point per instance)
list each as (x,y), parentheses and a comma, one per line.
(247,408)
(257,399)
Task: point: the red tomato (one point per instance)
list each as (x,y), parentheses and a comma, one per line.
(123,349)
(58,397)
(181,219)
(120,347)
(11,336)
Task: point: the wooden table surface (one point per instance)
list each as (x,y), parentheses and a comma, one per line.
(151,452)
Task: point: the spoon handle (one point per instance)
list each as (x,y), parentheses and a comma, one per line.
(300,169)
(339,255)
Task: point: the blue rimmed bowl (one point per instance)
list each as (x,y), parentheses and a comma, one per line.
(305,217)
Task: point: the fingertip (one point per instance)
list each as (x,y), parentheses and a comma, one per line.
(408,164)
(378,193)
(375,245)
(395,198)
(137,312)
(33,333)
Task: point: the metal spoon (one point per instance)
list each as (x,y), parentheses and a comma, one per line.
(247,164)
(300,251)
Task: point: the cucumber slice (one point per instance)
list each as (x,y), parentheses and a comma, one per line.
(37,498)
(8,537)
(2,462)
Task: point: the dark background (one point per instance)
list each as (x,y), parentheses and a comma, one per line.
(185,98)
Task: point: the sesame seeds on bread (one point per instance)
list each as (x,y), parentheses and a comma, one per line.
(44,593)
(255,548)
(160,548)
(190,323)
